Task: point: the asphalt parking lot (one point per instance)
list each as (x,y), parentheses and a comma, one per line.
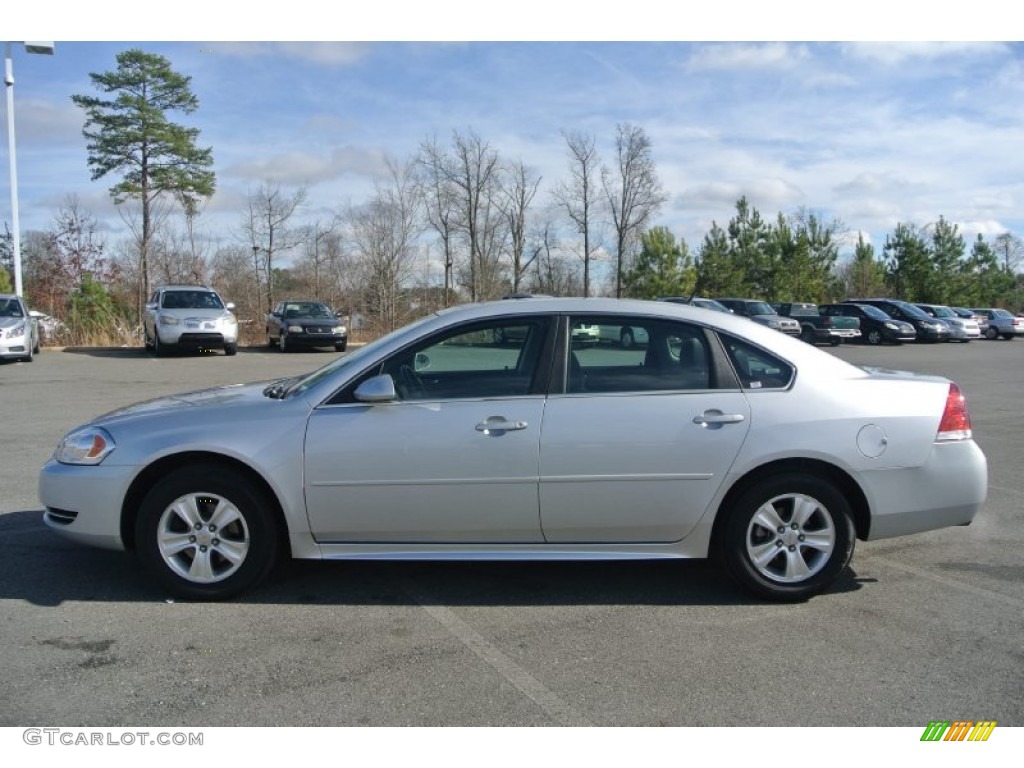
(926,627)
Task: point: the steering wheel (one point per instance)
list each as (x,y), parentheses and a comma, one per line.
(410,384)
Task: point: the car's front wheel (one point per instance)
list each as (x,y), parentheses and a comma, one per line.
(626,338)
(874,337)
(206,533)
(788,537)
(231,349)
(991,333)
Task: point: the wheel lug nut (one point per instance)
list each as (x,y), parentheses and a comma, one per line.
(199,526)
(794,526)
(801,537)
(216,542)
(782,529)
(792,549)
(203,549)
(192,539)
(213,528)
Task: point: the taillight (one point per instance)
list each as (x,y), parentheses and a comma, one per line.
(956,421)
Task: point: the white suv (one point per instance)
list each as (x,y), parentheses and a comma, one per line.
(189,316)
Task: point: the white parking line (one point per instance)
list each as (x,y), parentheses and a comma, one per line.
(528,685)
(954,583)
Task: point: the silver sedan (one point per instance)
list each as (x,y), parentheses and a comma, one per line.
(489,432)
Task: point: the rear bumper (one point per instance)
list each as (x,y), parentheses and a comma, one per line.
(948,489)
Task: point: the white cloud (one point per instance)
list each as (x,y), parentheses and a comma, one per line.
(309,168)
(894,54)
(746,57)
(330,54)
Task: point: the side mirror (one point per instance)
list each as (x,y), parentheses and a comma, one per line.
(150,305)
(378,389)
(230,306)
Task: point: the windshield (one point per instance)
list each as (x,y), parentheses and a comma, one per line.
(943,312)
(911,311)
(353,359)
(10,308)
(873,311)
(759,308)
(711,304)
(191,300)
(307,309)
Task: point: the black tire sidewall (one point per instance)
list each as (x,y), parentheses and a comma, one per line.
(231,485)
(733,547)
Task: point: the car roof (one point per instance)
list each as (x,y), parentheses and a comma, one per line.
(185,288)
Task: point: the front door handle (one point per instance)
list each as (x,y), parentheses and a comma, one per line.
(499,425)
(717,418)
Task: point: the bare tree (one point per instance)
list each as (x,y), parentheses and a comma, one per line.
(633,192)
(555,272)
(1010,249)
(384,232)
(467,184)
(578,197)
(266,228)
(439,197)
(518,191)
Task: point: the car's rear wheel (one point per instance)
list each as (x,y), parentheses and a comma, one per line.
(807,335)
(1009,336)
(991,333)
(626,338)
(206,533)
(788,537)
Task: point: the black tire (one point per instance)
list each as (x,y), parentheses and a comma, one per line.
(282,342)
(777,518)
(158,349)
(177,519)
(991,333)
(626,338)
(341,346)
(1009,336)
(30,356)
(874,337)
(835,341)
(231,349)
(807,334)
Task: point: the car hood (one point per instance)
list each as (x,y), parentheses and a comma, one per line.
(216,397)
(10,322)
(195,314)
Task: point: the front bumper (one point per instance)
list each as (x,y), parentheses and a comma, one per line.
(307,339)
(16,347)
(83,503)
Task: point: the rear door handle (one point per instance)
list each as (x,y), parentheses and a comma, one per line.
(496,425)
(717,417)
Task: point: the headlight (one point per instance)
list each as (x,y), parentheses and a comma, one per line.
(167,320)
(18,330)
(88,445)
(338,329)
(774,324)
(230,320)
(892,326)
(294,329)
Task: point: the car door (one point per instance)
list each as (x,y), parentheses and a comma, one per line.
(641,439)
(453,458)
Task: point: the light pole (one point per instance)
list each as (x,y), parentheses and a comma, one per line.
(46,48)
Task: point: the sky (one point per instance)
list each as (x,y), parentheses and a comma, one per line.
(867,133)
